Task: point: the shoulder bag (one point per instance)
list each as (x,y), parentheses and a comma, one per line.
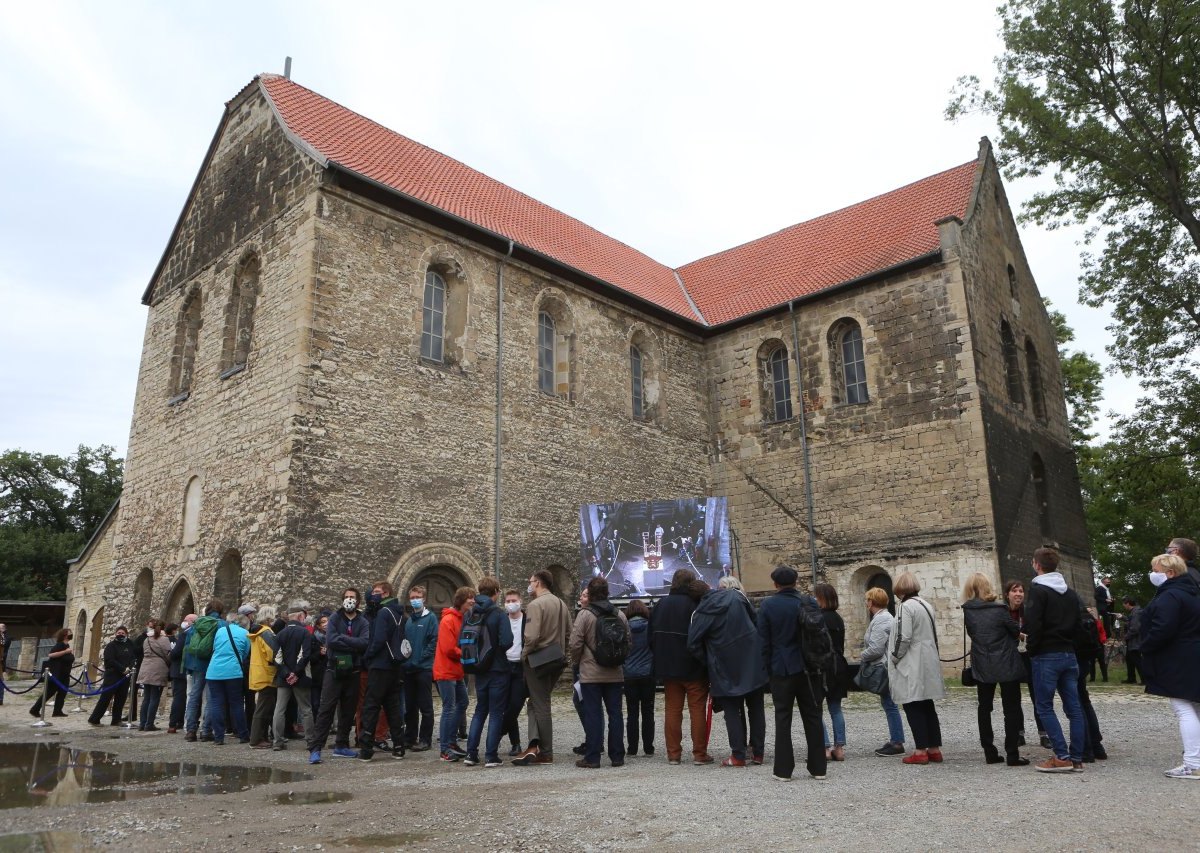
(233,646)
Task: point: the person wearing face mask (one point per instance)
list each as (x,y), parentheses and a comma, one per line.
(491,677)
(547,629)
(385,658)
(421,632)
(346,639)
(58,664)
(448,673)
(118,658)
(516,674)
(178,677)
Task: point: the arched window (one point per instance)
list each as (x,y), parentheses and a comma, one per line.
(239,316)
(1036,394)
(193,496)
(1042,494)
(777,384)
(433,318)
(187,342)
(547,357)
(637,383)
(847,363)
(227,585)
(1012,366)
(1012,281)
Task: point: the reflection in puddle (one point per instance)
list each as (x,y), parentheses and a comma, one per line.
(41,842)
(311,798)
(46,774)
(386,842)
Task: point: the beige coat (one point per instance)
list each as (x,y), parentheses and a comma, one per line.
(547,621)
(156,661)
(914,672)
(582,640)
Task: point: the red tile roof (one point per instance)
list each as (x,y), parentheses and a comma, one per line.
(798,261)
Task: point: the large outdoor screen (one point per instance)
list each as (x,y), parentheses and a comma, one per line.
(638,546)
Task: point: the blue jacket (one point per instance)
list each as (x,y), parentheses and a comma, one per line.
(347,636)
(723,635)
(224,665)
(496,622)
(1171,640)
(387,633)
(640,663)
(421,633)
(779,632)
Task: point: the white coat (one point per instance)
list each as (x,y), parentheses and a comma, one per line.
(914,672)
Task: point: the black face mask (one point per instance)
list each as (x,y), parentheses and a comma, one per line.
(121,638)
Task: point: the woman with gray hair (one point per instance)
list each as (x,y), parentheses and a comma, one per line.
(723,634)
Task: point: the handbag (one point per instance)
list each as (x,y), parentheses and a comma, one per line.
(968,677)
(873,677)
(544,659)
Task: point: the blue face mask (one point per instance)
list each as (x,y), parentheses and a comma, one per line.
(418,604)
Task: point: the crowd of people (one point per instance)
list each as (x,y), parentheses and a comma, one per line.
(372,665)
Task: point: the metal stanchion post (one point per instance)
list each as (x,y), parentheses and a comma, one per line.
(87,688)
(41,723)
(131,723)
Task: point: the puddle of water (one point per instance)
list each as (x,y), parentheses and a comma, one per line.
(41,842)
(47,774)
(312,798)
(386,841)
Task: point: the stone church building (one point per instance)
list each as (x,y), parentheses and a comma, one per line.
(364,360)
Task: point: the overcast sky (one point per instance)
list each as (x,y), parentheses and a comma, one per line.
(679,128)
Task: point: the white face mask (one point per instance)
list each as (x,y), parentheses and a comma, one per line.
(513,607)
(348,604)
(529,589)
(1158,578)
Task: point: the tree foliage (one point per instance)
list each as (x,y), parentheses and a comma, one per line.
(49,507)
(1083,381)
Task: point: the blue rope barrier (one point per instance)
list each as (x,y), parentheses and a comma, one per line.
(99,692)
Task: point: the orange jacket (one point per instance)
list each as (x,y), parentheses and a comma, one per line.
(447,659)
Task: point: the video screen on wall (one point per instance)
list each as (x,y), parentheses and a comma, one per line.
(638,545)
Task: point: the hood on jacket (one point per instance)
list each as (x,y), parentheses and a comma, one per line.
(483,604)
(638,624)
(605,606)
(718,601)
(1054,580)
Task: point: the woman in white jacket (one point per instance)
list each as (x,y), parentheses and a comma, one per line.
(914,671)
(875,647)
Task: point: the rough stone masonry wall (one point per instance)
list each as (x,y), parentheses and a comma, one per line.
(899,482)
(233,434)
(990,244)
(397,466)
(87,584)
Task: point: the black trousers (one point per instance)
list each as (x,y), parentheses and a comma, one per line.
(418,706)
(798,691)
(114,698)
(1133,666)
(178,702)
(1010,702)
(517,694)
(926,727)
(340,695)
(639,714)
(1091,728)
(385,689)
(734,708)
(53,692)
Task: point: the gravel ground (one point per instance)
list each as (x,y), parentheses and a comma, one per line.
(866,802)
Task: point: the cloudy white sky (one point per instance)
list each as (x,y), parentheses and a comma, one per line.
(680,128)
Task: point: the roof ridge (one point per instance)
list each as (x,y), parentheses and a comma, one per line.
(829,214)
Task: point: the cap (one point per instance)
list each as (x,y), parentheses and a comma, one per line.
(247,610)
(784,576)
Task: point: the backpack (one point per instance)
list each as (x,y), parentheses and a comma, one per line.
(612,640)
(200,640)
(1087,634)
(815,642)
(475,642)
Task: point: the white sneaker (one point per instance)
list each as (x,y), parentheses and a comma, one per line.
(782,778)
(1183,772)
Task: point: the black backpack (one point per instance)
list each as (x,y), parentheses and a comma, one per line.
(612,638)
(1087,634)
(815,642)
(475,643)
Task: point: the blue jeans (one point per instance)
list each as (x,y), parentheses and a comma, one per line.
(599,699)
(195,699)
(894,721)
(226,695)
(839,724)
(454,697)
(491,704)
(151,695)
(1059,671)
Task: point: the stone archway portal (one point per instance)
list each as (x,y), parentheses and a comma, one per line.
(440,582)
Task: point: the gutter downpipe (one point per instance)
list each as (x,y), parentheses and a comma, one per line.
(499,401)
(808,492)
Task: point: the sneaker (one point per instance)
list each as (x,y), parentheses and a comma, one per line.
(448,756)
(456,750)
(471,760)
(527,758)
(703,759)
(203,737)
(820,777)
(1055,765)
(1182,772)
(778,778)
(421,746)
(279,747)
(580,750)
(218,741)
(314,757)
(345,752)
(190,737)
(587,765)
(890,749)
(756,759)
(1077,766)
(1046,742)
(361,755)
(493,762)
(733,761)
(1018,762)
(675,762)
(618,764)
(515,751)
(398,752)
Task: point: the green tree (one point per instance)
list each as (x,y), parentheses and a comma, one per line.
(49,507)
(1103,95)
(1082,378)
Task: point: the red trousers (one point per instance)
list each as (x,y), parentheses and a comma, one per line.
(697,701)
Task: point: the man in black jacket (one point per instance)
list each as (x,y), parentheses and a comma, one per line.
(682,675)
(119,658)
(385,658)
(296,646)
(347,637)
(1051,625)
(491,677)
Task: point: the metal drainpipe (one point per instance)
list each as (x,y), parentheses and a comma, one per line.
(808,493)
(499,400)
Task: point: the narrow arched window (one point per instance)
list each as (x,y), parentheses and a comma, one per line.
(239,316)
(547,357)
(1041,493)
(854,366)
(1037,395)
(1012,365)
(1012,281)
(780,384)
(433,318)
(187,344)
(637,382)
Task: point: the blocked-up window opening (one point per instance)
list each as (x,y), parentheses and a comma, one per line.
(1012,364)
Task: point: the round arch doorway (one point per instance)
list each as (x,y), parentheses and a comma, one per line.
(883,580)
(180,602)
(440,582)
